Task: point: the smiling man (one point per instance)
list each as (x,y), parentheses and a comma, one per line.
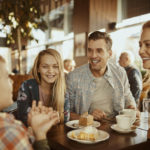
(99,87)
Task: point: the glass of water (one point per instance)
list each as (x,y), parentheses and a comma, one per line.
(146,110)
(146,107)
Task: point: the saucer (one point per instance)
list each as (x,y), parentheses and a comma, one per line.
(74,124)
(116,128)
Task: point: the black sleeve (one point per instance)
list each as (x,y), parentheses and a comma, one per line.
(135,84)
(41,145)
(23,102)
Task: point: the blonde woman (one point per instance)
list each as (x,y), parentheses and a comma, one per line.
(47,86)
(144,52)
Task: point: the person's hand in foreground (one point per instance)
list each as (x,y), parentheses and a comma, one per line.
(41,119)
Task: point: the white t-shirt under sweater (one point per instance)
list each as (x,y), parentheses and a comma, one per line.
(102,96)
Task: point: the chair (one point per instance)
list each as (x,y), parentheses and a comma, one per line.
(18,79)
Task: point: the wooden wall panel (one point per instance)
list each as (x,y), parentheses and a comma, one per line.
(81,16)
(102,12)
(137,7)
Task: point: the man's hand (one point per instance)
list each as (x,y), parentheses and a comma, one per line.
(98,114)
(138,114)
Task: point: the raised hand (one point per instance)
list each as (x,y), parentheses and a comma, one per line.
(41,119)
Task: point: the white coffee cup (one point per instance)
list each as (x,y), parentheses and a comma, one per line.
(129,112)
(124,121)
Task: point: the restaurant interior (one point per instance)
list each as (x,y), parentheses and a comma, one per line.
(64,25)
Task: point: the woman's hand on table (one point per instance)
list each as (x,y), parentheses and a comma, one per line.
(41,119)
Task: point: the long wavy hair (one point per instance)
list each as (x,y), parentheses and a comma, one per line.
(59,87)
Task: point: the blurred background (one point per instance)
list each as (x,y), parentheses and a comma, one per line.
(29,26)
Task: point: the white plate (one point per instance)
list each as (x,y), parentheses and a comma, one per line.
(75,124)
(116,128)
(102,136)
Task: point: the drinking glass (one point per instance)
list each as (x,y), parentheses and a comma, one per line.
(146,110)
(146,107)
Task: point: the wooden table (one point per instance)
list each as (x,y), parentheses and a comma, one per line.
(136,140)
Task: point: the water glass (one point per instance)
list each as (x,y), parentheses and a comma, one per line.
(146,110)
(146,107)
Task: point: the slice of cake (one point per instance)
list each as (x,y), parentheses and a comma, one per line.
(86,119)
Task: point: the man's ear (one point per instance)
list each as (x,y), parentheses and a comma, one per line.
(110,53)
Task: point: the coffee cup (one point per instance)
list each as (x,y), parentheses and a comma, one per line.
(129,112)
(124,121)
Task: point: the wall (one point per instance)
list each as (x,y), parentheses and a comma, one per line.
(102,12)
(137,7)
(80,25)
(91,15)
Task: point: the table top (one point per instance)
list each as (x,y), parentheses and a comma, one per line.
(57,138)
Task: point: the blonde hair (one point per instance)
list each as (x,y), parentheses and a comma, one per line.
(146,78)
(59,86)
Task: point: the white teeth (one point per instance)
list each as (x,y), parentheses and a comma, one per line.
(50,76)
(95,61)
(146,58)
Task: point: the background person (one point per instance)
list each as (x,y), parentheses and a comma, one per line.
(134,76)
(69,65)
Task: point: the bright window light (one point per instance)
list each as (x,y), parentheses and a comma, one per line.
(134,20)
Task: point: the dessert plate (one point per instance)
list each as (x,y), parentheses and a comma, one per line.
(102,136)
(75,124)
(116,128)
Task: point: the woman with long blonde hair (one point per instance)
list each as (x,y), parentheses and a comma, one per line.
(144,52)
(47,86)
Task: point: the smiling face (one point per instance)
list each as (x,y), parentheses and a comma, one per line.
(98,54)
(145,47)
(5,87)
(48,69)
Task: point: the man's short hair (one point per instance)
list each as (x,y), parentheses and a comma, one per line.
(101,35)
(67,60)
(129,54)
(146,25)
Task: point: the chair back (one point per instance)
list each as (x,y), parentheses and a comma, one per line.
(18,80)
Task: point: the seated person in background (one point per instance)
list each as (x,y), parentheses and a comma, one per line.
(144,52)
(134,76)
(99,87)
(69,65)
(48,86)
(13,134)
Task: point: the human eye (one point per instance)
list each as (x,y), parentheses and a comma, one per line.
(147,45)
(44,66)
(55,66)
(140,44)
(89,50)
(99,50)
